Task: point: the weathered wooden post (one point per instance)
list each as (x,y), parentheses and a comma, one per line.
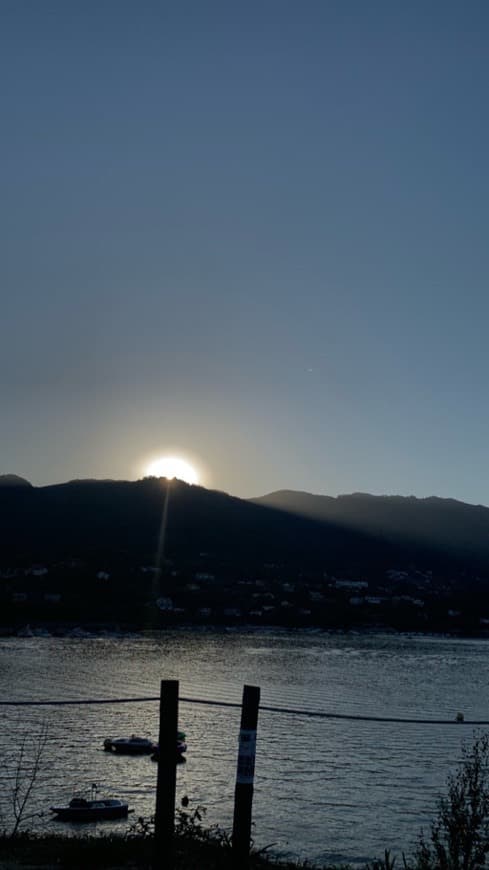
(243,795)
(167,777)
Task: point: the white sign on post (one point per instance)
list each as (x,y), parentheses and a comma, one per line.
(246,757)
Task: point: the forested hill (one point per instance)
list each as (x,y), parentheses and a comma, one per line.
(438,525)
(121,520)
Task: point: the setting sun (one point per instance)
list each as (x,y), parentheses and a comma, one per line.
(172,466)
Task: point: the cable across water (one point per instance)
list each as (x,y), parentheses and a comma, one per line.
(289,711)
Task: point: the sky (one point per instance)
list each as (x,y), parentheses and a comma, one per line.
(251,234)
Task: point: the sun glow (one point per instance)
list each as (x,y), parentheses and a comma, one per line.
(172,466)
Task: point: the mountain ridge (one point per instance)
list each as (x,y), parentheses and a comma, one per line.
(122,519)
(367,495)
(14,480)
(443,524)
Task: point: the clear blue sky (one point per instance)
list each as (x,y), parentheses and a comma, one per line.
(251,233)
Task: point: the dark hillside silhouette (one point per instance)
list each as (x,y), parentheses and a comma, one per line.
(120,521)
(13,480)
(437,525)
(123,519)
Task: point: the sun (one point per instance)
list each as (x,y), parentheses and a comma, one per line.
(172,466)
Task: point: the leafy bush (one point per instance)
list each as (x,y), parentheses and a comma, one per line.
(459,836)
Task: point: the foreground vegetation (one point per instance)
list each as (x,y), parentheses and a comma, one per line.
(196,848)
(27,851)
(458,838)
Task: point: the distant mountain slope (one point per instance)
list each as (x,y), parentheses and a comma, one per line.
(444,525)
(120,521)
(13,480)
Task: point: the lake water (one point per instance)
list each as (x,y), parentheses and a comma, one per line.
(325,789)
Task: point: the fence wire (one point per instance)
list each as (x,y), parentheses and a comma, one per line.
(292,711)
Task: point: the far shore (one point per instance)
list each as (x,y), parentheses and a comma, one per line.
(117,630)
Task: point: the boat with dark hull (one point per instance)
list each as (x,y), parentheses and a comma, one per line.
(82,810)
(130,745)
(181,749)
(134,745)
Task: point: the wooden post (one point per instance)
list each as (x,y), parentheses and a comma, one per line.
(167,777)
(243,795)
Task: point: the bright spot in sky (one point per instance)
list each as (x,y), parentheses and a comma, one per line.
(172,466)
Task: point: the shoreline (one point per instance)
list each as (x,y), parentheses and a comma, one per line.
(89,630)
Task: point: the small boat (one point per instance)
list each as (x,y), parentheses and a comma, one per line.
(181,748)
(82,810)
(132,745)
(91,809)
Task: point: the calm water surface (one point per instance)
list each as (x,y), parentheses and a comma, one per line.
(326,789)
